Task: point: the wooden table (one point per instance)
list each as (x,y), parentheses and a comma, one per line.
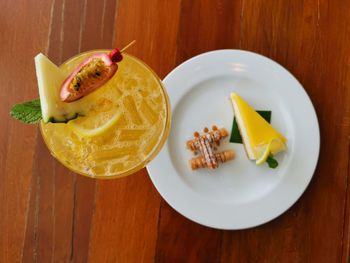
(49,214)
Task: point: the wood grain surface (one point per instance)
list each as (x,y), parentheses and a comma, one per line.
(49,214)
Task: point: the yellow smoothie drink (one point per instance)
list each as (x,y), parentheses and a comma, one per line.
(134,112)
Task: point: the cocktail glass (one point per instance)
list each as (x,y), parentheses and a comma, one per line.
(133,141)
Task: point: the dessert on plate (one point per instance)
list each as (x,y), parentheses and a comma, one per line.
(261,141)
(203,143)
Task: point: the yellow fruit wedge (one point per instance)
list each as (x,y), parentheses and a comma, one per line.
(263,151)
(98,121)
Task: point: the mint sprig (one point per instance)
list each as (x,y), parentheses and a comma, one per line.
(272,162)
(28,112)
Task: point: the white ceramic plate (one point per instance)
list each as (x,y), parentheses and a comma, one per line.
(238,194)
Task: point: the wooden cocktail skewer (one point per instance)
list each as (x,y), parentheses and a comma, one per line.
(116,54)
(127,46)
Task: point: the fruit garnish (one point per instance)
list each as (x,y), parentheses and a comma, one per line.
(116,55)
(91,74)
(49,107)
(263,152)
(49,77)
(99,120)
(277,145)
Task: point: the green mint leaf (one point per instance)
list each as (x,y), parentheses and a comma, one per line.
(236,135)
(28,112)
(272,162)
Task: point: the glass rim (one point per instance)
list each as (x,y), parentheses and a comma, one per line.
(156,149)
